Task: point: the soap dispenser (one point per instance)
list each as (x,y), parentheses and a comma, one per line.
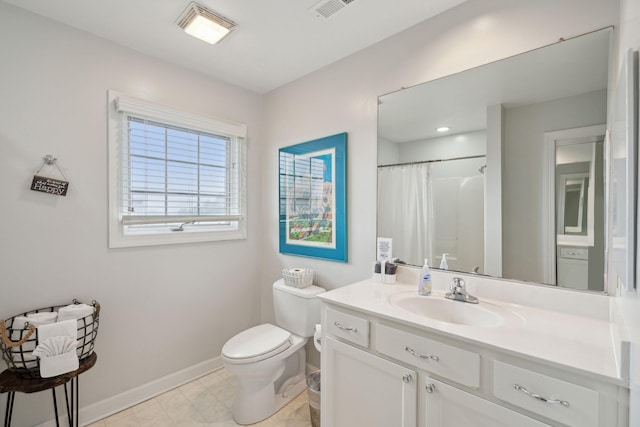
(443,263)
(424,286)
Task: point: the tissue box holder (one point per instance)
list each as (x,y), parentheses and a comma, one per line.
(298,277)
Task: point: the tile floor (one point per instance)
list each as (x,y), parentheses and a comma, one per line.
(206,401)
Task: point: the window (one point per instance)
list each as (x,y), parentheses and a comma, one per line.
(173,177)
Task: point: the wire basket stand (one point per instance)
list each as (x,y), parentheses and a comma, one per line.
(17,342)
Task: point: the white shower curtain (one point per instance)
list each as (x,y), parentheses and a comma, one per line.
(407,217)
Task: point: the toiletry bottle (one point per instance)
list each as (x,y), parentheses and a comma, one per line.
(424,287)
(443,263)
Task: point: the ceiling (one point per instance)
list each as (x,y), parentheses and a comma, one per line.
(276,42)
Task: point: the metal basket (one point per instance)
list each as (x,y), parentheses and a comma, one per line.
(297,277)
(17,344)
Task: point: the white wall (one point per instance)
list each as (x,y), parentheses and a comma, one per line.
(343,98)
(388,152)
(629,38)
(444,147)
(163,308)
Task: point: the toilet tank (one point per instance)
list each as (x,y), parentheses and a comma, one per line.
(297,309)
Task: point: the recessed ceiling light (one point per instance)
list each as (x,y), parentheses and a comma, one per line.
(202,23)
(443,129)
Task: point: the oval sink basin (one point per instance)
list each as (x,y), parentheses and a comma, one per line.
(438,308)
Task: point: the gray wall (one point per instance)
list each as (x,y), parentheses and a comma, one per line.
(522,175)
(164,308)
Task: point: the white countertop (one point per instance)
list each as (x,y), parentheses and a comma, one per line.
(558,338)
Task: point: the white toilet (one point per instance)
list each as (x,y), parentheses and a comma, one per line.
(269,361)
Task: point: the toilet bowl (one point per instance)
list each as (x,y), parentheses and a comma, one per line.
(269,361)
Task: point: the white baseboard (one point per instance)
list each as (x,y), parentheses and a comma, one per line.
(104,408)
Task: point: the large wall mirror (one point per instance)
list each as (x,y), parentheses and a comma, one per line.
(502,167)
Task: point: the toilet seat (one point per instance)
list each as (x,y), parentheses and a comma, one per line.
(257,343)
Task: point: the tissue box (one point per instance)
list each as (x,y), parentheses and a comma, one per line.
(297,277)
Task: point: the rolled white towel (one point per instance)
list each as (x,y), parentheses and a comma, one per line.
(35,319)
(23,355)
(74,311)
(17,328)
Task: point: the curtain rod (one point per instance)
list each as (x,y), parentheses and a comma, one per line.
(432,161)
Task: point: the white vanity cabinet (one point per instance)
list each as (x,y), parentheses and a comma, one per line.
(380,371)
(366,390)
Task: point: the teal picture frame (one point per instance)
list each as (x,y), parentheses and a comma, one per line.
(313,199)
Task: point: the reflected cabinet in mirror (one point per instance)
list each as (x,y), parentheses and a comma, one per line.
(501,167)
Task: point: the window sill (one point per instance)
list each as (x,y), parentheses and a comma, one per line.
(117,239)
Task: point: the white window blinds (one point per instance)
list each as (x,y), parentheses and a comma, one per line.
(178,172)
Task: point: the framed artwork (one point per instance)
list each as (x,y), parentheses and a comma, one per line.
(313,208)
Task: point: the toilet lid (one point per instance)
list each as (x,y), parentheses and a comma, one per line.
(257,343)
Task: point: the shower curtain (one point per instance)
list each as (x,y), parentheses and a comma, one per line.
(405,193)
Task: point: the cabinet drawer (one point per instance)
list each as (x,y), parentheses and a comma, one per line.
(453,363)
(559,400)
(348,327)
(449,406)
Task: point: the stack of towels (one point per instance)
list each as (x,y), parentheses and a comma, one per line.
(58,334)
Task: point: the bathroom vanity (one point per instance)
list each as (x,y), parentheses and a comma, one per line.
(521,357)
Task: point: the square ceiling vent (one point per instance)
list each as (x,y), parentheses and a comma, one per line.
(325,9)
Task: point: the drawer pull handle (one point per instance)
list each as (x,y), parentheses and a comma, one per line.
(538,397)
(407,378)
(421,356)
(430,388)
(345,328)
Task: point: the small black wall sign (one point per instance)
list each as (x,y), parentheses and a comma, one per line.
(49,185)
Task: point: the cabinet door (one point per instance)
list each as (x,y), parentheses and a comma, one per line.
(448,406)
(360,389)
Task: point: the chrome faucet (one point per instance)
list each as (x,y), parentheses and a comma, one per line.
(458,292)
